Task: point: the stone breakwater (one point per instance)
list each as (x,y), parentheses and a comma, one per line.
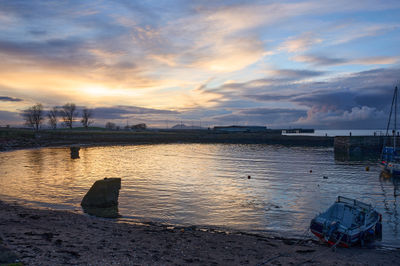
(360,147)
(16,139)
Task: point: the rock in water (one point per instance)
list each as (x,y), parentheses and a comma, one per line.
(104,193)
(74,152)
(102,198)
(109,212)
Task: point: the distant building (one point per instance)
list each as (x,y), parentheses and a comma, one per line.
(241,129)
(297,131)
(183,126)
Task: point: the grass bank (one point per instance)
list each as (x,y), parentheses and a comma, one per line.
(22,138)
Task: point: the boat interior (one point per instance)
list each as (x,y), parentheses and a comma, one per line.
(346,215)
(350,216)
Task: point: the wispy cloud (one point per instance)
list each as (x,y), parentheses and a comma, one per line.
(320,60)
(254,55)
(9,99)
(378,60)
(125,112)
(358,31)
(294,74)
(300,43)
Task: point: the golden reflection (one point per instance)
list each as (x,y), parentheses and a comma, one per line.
(36,160)
(198,183)
(390,204)
(385,174)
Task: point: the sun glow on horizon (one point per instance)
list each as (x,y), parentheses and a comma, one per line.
(252,62)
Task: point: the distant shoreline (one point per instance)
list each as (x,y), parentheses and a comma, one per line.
(11,139)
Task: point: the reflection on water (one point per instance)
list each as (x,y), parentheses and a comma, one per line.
(391,206)
(106,212)
(205,184)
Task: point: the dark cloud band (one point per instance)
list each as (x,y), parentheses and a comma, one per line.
(9,99)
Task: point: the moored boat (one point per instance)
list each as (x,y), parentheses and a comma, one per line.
(347,222)
(390,161)
(390,156)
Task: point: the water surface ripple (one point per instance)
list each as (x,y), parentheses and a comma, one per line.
(205,184)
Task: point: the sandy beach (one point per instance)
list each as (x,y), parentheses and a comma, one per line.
(49,237)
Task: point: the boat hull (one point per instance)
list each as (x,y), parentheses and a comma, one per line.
(347,222)
(390,168)
(345,239)
(330,242)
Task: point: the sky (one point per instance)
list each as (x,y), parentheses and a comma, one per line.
(311,64)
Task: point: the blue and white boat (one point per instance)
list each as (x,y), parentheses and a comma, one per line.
(390,161)
(347,222)
(390,156)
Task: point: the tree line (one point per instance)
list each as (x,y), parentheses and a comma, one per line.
(35,115)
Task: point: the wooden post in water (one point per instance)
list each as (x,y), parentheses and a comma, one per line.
(74,152)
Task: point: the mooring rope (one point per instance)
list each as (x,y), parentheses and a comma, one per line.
(304,237)
(323,252)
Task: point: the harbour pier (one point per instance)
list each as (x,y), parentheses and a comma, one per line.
(348,148)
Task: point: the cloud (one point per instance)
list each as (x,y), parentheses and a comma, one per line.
(363,103)
(38,32)
(320,60)
(7,117)
(361,113)
(272,117)
(277,79)
(9,99)
(301,43)
(357,118)
(155,54)
(124,112)
(55,51)
(377,60)
(359,100)
(355,32)
(270,97)
(294,74)
(328,99)
(228,55)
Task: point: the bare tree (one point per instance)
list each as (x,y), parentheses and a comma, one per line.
(68,113)
(111,126)
(141,126)
(86,115)
(52,115)
(34,116)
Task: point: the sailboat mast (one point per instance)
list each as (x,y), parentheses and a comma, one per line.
(395,118)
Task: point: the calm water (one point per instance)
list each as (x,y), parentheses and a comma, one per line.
(344,132)
(204,184)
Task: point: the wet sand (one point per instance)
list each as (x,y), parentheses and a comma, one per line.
(48,237)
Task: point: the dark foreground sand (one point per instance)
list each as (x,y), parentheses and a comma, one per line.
(48,237)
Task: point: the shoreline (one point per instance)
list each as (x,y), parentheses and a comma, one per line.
(11,139)
(51,237)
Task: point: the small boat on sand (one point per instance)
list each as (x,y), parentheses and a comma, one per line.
(347,222)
